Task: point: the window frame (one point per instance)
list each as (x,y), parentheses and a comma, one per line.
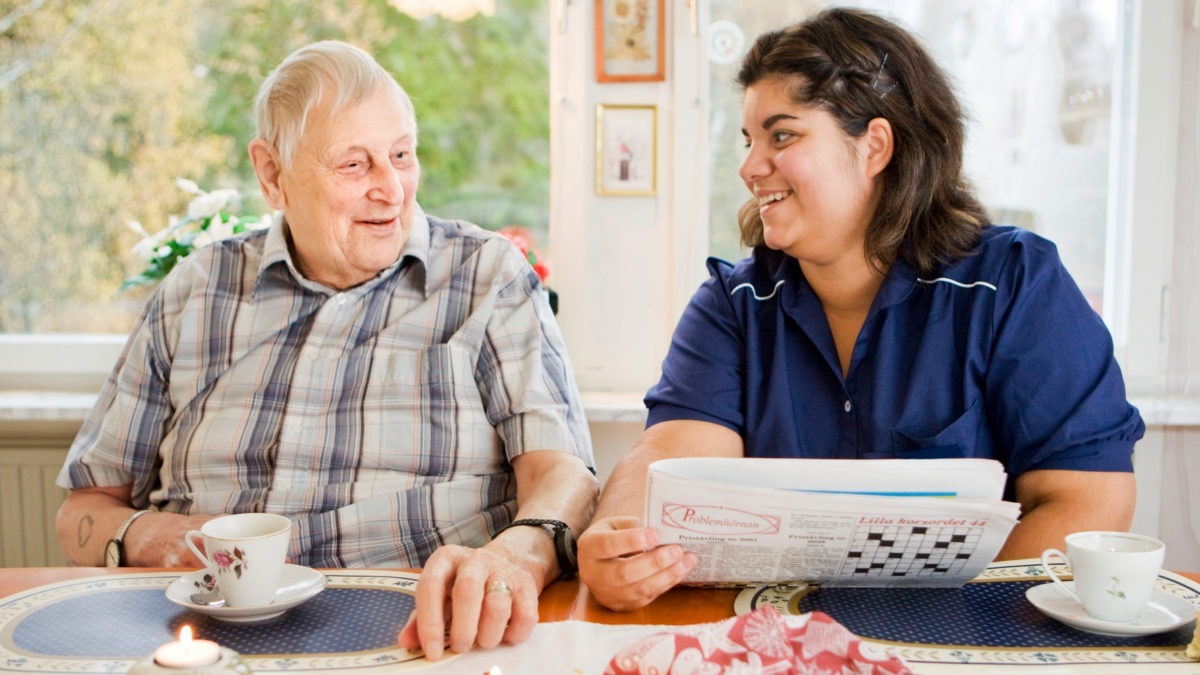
(1140,239)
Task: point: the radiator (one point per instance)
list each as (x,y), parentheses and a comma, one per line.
(28,501)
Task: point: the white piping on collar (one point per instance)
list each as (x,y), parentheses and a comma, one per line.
(755,293)
(957,283)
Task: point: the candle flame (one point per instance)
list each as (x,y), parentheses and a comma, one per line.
(495,671)
(185,634)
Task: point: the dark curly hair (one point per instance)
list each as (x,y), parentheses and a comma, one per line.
(859,66)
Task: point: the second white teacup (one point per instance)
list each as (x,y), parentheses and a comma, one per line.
(245,553)
(1114,572)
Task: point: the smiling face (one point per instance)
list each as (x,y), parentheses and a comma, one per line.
(349,195)
(812,181)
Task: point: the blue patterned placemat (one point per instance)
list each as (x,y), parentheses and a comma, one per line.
(104,625)
(986,621)
(992,614)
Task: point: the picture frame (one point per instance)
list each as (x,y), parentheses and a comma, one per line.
(626,149)
(630,41)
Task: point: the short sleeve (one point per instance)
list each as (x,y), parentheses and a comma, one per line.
(119,441)
(524,372)
(1056,391)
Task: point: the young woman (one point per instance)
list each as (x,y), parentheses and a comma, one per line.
(880,315)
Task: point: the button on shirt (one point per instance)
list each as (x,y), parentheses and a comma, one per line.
(1000,356)
(382,418)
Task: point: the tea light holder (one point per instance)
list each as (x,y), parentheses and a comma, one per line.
(228,662)
(190,657)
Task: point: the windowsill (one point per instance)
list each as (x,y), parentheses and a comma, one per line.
(62,408)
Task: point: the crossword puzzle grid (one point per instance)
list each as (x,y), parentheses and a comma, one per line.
(901,551)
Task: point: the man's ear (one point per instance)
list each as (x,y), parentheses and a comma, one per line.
(268,169)
(880,144)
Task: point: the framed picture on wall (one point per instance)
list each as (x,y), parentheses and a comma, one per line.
(630,41)
(626,149)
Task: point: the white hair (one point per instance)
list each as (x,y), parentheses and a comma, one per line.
(327,68)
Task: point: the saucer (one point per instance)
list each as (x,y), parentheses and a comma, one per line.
(1164,612)
(296,584)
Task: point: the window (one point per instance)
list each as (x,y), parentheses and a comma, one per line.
(1073,133)
(103,105)
(1036,80)
(618,260)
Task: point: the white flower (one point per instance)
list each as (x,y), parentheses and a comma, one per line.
(137,228)
(219,229)
(151,245)
(202,239)
(188,186)
(208,205)
(209,219)
(144,250)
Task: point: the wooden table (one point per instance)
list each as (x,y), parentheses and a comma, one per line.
(569,600)
(562,600)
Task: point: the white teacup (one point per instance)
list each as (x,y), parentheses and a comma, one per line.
(1114,572)
(245,553)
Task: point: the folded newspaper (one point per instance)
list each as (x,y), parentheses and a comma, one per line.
(860,522)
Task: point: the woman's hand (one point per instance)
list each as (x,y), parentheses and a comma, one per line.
(623,566)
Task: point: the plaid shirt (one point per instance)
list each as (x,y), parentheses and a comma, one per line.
(381,418)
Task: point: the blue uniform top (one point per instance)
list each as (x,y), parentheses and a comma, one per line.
(999,357)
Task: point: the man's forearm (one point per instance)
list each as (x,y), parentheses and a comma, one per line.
(550,485)
(87,519)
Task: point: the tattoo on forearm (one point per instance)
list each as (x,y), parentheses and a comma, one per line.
(85,530)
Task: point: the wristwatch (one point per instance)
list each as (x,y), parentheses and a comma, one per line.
(114,550)
(564,542)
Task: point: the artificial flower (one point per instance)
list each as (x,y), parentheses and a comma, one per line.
(211,216)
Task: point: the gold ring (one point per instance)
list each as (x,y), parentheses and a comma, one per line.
(498,586)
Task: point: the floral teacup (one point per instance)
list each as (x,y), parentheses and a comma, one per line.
(244,554)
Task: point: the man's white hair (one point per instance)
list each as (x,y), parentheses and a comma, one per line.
(345,73)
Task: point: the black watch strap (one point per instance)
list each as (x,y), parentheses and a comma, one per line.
(564,542)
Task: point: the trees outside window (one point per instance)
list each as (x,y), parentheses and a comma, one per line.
(104,103)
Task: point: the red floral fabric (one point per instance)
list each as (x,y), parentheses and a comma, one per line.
(759,642)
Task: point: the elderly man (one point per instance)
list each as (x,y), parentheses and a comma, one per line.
(393,382)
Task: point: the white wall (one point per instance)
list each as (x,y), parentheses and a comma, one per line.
(618,325)
(1180,497)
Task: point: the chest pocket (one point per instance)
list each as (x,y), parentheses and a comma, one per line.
(437,375)
(958,439)
(424,406)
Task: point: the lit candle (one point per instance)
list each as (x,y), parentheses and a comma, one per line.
(187,653)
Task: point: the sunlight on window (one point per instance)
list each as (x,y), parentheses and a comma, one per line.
(1036,80)
(104,105)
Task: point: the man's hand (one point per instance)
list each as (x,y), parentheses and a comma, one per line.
(156,540)
(489,595)
(623,566)
(484,596)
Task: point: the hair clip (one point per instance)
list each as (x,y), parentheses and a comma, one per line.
(875,84)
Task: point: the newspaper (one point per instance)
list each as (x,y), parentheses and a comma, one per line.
(888,522)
